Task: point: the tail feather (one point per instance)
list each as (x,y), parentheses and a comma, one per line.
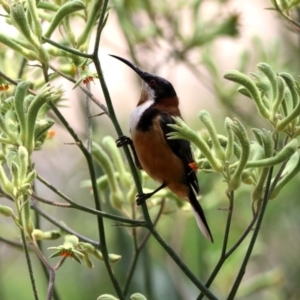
(199,216)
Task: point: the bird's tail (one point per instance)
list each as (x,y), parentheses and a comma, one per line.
(199,215)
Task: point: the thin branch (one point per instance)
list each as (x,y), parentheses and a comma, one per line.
(147,235)
(242,237)
(183,267)
(287,18)
(88,120)
(62,226)
(60,263)
(29,265)
(15,244)
(138,249)
(270,186)
(90,167)
(230,196)
(222,259)
(74,205)
(58,204)
(22,67)
(85,90)
(242,270)
(11,81)
(51,271)
(88,156)
(47,269)
(277,177)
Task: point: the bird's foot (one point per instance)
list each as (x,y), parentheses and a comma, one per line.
(141,198)
(123,140)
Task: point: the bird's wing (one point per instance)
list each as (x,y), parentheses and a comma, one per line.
(181,148)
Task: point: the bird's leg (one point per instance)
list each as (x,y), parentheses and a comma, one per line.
(125,140)
(143,197)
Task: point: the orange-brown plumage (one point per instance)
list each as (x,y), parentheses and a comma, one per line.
(154,155)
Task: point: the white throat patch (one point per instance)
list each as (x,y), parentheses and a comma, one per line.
(146,100)
(147,91)
(137,113)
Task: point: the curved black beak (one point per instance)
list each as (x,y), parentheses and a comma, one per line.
(129,64)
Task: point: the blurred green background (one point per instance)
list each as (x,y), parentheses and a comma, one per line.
(192,44)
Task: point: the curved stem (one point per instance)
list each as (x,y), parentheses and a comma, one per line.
(225,255)
(138,249)
(222,259)
(22,67)
(182,266)
(286,17)
(15,244)
(230,196)
(268,190)
(88,120)
(242,237)
(51,271)
(29,265)
(84,90)
(47,269)
(88,156)
(93,211)
(242,270)
(89,160)
(62,226)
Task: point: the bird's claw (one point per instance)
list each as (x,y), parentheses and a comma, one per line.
(141,198)
(123,140)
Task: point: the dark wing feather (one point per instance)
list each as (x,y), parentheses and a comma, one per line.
(180,147)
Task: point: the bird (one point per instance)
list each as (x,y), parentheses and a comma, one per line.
(169,162)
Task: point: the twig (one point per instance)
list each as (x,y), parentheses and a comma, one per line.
(28,261)
(22,67)
(101,230)
(44,266)
(261,213)
(74,205)
(242,237)
(15,244)
(58,204)
(270,186)
(222,259)
(50,269)
(183,267)
(230,196)
(61,225)
(287,18)
(88,120)
(85,91)
(138,249)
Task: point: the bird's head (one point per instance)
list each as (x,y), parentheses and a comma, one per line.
(154,87)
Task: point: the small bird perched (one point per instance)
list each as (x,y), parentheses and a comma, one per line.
(169,162)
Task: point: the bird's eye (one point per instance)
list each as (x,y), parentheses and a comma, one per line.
(152,82)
